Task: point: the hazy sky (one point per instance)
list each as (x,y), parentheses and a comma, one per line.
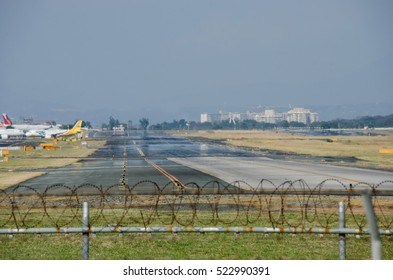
(169,59)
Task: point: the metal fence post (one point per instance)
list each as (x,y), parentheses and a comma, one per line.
(85,231)
(376,246)
(342,250)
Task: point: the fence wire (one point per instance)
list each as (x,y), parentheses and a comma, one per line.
(290,204)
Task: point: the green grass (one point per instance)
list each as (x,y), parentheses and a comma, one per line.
(72,218)
(114,246)
(28,212)
(184,246)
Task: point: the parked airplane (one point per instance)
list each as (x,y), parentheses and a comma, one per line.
(6,133)
(35,133)
(75,130)
(56,132)
(25,127)
(33,130)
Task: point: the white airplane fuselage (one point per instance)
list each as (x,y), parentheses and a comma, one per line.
(11,132)
(28,127)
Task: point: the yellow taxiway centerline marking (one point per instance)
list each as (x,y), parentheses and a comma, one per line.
(173,179)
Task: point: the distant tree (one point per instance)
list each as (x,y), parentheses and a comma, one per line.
(283,124)
(129,125)
(182,124)
(65,126)
(205,125)
(297,124)
(217,126)
(112,123)
(249,124)
(267,125)
(88,124)
(144,123)
(377,121)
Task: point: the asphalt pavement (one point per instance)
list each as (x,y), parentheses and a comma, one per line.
(162,159)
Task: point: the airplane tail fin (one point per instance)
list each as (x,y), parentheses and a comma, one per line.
(76,129)
(7,120)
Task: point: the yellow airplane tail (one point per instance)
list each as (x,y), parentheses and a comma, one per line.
(75,130)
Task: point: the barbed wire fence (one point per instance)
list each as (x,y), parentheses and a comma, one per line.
(292,207)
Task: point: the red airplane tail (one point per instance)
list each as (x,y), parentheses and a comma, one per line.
(7,120)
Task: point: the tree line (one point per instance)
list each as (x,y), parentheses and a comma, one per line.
(182,124)
(358,123)
(143,124)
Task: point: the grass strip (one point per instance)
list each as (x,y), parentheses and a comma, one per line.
(189,246)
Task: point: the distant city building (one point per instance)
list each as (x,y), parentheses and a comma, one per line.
(301,115)
(118,130)
(269,116)
(205,118)
(214,118)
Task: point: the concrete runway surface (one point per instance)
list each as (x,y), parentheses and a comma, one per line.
(253,170)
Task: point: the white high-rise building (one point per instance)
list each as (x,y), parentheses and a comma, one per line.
(268,116)
(212,118)
(302,115)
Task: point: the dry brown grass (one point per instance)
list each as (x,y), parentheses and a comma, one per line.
(8,179)
(363,148)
